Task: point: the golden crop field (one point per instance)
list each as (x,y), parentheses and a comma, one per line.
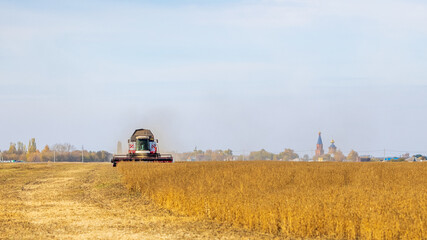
(293,200)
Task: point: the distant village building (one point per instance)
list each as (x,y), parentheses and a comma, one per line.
(412,159)
(364,158)
(319,147)
(416,159)
(391,158)
(332,148)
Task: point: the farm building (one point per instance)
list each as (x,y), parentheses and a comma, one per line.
(364,158)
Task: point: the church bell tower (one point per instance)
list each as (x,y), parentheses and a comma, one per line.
(319,146)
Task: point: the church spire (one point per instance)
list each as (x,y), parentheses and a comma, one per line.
(319,140)
(319,146)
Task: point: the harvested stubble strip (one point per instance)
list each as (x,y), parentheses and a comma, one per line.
(309,200)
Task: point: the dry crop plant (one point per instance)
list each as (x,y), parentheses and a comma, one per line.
(302,200)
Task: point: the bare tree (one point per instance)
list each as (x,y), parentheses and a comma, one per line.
(353,156)
(339,156)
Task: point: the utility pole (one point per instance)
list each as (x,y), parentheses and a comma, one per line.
(54,155)
(82,152)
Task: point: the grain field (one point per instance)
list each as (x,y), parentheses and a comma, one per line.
(293,200)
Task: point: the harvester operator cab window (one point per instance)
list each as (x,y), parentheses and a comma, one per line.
(142,144)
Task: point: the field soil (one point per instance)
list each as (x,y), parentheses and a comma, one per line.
(89,201)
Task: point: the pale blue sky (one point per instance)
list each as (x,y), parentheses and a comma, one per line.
(243,75)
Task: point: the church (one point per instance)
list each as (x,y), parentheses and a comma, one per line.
(320,153)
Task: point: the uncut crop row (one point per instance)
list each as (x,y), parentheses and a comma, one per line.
(302,200)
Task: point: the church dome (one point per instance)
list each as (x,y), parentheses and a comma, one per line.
(333,144)
(332,148)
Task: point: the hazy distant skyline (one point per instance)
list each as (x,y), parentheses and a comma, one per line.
(244,75)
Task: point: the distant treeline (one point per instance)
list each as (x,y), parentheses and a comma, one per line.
(208,155)
(58,152)
(227,155)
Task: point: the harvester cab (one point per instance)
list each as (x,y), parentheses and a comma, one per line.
(142,147)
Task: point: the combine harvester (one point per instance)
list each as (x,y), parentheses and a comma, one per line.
(142,147)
